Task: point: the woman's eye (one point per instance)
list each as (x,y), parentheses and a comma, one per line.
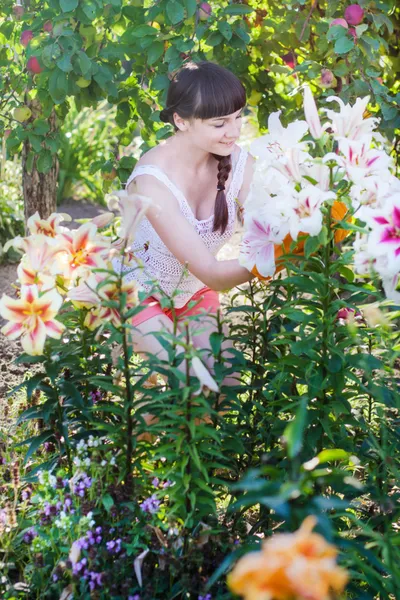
(219,126)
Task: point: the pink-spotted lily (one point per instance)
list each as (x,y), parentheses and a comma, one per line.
(98,290)
(83,250)
(384,239)
(360,160)
(32,317)
(307,216)
(49,227)
(258,245)
(38,265)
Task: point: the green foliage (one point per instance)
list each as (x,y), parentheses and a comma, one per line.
(85,137)
(127,53)
(11,203)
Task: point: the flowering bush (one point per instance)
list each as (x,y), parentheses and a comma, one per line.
(292,189)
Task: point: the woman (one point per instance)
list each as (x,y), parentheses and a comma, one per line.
(196,178)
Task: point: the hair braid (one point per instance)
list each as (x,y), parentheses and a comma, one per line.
(221,213)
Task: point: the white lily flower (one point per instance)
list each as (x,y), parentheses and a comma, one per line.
(349,123)
(311,114)
(318,171)
(360,160)
(279,139)
(203,375)
(307,216)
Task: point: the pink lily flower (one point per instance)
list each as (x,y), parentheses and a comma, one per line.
(90,294)
(258,245)
(38,265)
(360,160)
(384,239)
(83,251)
(32,317)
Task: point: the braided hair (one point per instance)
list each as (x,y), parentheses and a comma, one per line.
(205,90)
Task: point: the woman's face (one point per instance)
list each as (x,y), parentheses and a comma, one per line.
(217,135)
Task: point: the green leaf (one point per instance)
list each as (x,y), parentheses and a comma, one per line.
(175,11)
(64,63)
(90,9)
(138,32)
(336,32)
(85,63)
(160,82)
(45,161)
(107,502)
(68,5)
(156,50)
(35,141)
(334,454)
(237,9)
(344,45)
(190,6)
(216,340)
(225,29)
(58,86)
(214,39)
(293,433)
(35,443)
(40,126)
(311,245)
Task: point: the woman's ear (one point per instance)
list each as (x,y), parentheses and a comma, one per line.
(181,124)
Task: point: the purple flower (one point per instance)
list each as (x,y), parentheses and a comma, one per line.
(155,482)
(167,484)
(114,546)
(135,597)
(207,597)
(150,505)
(77,567)
(95,396)
(95,580)
(29,535)
(55,577)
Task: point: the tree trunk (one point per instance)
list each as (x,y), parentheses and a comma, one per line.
(39,189)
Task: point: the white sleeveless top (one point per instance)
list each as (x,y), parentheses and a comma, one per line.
(159,263)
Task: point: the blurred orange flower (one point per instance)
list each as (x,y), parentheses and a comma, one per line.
(290,566)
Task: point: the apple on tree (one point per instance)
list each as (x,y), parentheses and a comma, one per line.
(33,65)
(22,113)
(205,11)
(26,37)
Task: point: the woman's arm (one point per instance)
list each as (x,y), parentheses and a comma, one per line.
(182,239)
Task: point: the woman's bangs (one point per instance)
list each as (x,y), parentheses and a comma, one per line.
(219,98)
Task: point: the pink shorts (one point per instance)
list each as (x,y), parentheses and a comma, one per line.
(207,301)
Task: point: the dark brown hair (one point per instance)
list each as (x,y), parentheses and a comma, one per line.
(205,90)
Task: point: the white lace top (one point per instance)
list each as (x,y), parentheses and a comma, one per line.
(159,263)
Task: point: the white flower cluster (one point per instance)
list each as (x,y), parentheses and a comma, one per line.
(290,187)
(47,478)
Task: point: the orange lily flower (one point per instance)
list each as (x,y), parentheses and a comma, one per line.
(300,565)
(32,317)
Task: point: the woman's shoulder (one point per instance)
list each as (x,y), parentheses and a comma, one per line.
(157,156)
